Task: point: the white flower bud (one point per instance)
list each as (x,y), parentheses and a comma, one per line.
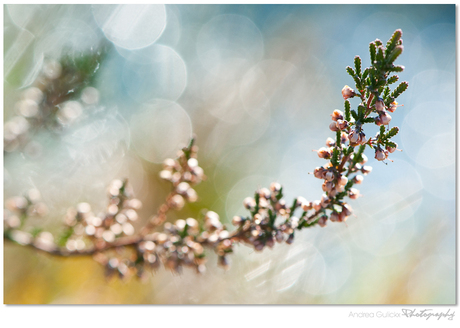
(329,176)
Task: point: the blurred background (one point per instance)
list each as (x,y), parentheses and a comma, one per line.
(257,85)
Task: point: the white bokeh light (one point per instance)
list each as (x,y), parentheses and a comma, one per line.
(159,129)
(131,26)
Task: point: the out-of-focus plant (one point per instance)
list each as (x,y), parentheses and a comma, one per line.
(111,238)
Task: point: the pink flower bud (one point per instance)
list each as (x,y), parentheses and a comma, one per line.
(358,179)
(318,172)
(379,105)
(347,92)
(346,209)
(385,118)
(330,142)
(337,115)
(341,124)
(322,221)
(344,137)
(353,193)
(316,205)
(343,180)
(392,149)
(333,127)
(327,186)
(334,217)
(324,153)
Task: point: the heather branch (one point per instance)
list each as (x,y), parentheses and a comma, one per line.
(110,237)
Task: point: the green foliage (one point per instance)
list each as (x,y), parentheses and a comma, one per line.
(399,90)
(358,66)
(347,111)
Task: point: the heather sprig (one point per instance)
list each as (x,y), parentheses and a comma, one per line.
(110,236)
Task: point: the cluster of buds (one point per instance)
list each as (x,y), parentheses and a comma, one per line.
(41,105)
(117,221)
(179,245)
(338,121)
(20,207)
(357,137)
(183,173)
(270,221)
(383,117)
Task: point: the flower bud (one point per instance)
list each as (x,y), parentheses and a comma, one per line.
(385,118)
(329,176)
(393,106)
(392,149)
(307,206)
(379,105)
(300,201)
(346,209)
(347,92)
(342,181)
(316,205)
(344,137)
(353,136)
(330,142)
(249,203)
(362,138)
(353,193)
(337,115)
(318,172)
(366,169)
(334,217)
(341,124)
(324,152)
(358,179)
(381,155)
(237,221)
(327,186)
(275,187)
(264,193)
(333,127)
(322,221)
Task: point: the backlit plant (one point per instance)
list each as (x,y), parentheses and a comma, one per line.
(110,237)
